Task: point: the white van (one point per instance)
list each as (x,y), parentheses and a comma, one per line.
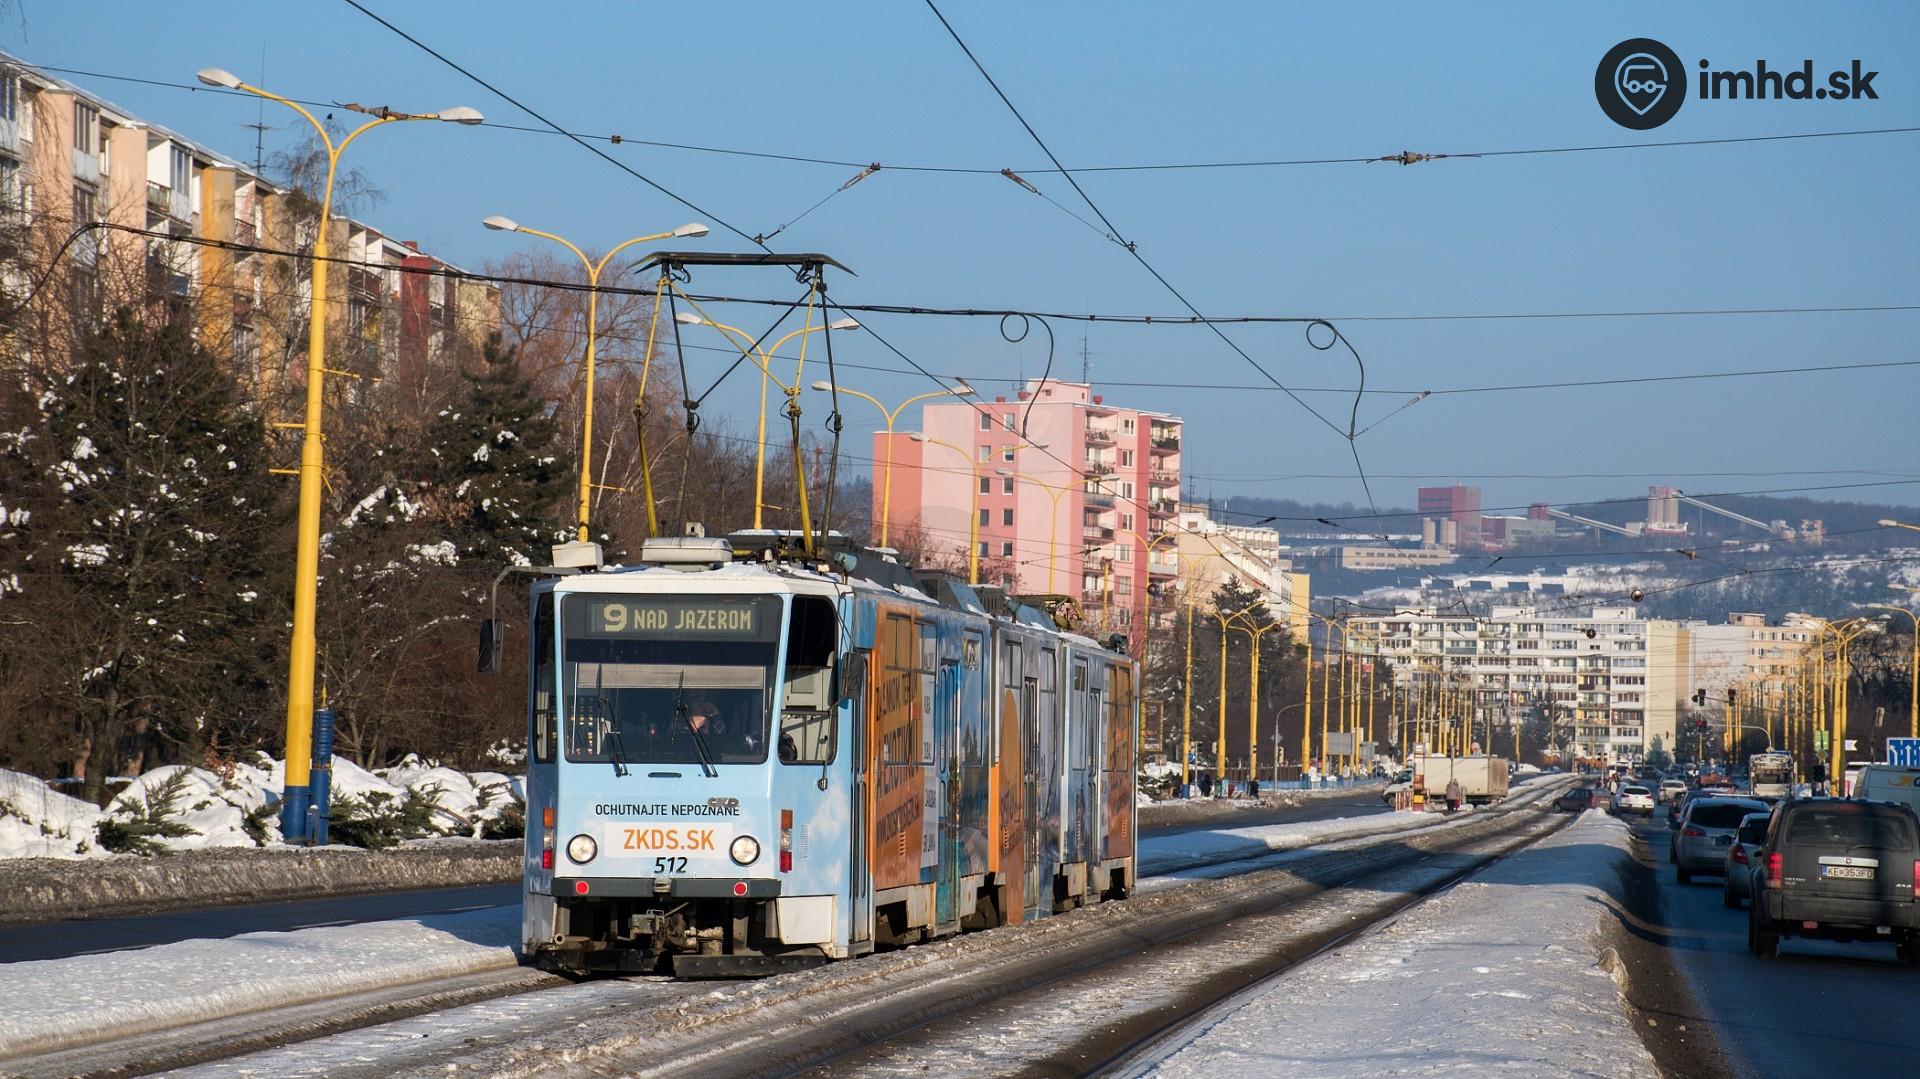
(1889,783)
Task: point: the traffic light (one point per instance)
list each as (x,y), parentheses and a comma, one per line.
(1729,696)
(1700,697)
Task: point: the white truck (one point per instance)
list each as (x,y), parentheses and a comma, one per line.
(1483,779)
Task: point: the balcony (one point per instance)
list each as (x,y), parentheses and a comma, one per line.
(1096,532)
(1099,468)
(1169,444)
(1101,499)
(1099,436)
(159,197)
(1163,508)
(245,233)
(1161,477)
(1163,567)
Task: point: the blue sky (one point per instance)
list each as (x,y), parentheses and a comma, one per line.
(1800,223)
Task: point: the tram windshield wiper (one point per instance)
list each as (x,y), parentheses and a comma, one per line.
(699,740)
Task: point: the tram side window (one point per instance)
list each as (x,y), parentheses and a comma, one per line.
(808,714)
(542,694)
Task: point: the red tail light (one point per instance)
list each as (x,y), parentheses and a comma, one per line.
(786,861)
(1775,869)
(1740,854)
(1916,878)
(1694,832)
(546,859)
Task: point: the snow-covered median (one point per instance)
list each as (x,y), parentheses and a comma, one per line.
(63,1002)
(1500,975)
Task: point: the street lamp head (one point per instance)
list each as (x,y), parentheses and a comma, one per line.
(218,76)
(501,224)
(962,389)
(691,229)
(917,436)
(843,324)
(1007,472)
(688,318)
(823,386)
(461,114)
(1884,522)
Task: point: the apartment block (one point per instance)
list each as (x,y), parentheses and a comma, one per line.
(1068,494)
(193,229)
(1212,553)
(1614,675)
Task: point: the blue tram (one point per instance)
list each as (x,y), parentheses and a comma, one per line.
(746,765)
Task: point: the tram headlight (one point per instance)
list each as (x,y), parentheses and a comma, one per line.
(581,849)
(745,850)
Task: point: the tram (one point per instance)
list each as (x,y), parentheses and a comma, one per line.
(745,759)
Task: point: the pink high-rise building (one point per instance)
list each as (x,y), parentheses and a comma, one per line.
(1067,493)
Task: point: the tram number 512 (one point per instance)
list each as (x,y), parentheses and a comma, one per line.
(663,866)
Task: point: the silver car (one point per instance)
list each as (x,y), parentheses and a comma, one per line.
(1751,836)
(1707,828)
(1672,790)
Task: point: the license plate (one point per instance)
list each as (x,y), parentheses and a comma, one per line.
(1723,841)
(1847,872)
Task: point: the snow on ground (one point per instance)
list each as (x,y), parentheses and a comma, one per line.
(1166,854)
(63,1002)
(235,806)
(1497,976)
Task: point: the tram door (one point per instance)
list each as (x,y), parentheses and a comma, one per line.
(945,808)
(860,881)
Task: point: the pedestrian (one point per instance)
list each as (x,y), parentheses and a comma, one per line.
(1253,789)
(1454,795)
(1206,784)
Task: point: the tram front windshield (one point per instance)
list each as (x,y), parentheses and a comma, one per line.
(668,679)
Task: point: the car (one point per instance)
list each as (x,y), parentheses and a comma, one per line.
(1751,835)
(1391,792)
(1671,790)
(1707,827)
(1633,798)
(1889,783)
(1837,869)
(1576,800)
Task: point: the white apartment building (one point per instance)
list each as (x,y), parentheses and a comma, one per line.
(1616,676)
(1211,551)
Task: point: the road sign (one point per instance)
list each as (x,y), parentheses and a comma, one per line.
(1904,751)
(1340,743)
(1851,746)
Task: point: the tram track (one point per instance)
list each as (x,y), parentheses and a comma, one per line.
(844,1017)
(1082,993)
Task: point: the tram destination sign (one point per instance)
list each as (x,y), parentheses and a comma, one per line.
(675,617)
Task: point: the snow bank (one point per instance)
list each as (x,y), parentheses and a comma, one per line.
(57,1003)
(179,808)
(1168,854)
(37,821)
(1498,976)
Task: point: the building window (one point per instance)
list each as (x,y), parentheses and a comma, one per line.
(986,421)
(9,96)
(985,551)
(1124,553)
(1006,516)
(1126,521)
(1127,425)
(986,486)
(180,170)
(11,202)
(1006,420)
(986,454)
(1006,549)
(1007,454)
(1126,458)
(1006,485)
(246,343)
(86,128)
(983,516)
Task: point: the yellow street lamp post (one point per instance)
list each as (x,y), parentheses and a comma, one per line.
(893,414)
(1053,535)
(297,790)
(763,359)
(1913,668)
(1254,634)
(594,269)
(973,511)
(1220,734)
(1843,634)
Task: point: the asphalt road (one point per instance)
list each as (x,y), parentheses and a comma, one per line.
(1362,803)
(58,940)
(1819,1009)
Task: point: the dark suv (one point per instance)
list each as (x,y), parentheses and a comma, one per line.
(1838,869)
